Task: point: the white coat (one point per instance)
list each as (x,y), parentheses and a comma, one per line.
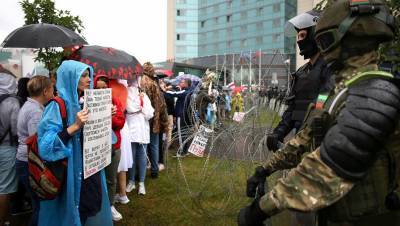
(138,116)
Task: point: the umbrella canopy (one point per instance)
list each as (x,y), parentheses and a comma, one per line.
(162,73)
(41,36)
(116,64)
(193,78)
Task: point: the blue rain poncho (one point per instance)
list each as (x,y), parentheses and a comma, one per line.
(64,210)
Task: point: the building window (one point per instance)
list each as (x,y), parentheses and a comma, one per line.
(260,11)
(229,31)
(181,49)
(259,40)
(259,26)
(216,35)
(275,37)
(276,22)
(243,43)
(181,24)
(243,15)
(229,3)
(228,44)
(215,8)
(216,20)
(276,7)
(243,2)
(178,37)
(178,12)
(243,28)
(216,46)
(203,23)
(228,18)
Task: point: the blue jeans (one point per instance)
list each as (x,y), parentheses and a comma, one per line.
(154,152)
(139,161)
(23,174)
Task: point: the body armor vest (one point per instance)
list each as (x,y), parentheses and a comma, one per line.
(369,197)
(309,81)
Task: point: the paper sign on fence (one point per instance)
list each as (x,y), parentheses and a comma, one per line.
(238,116)
(97,131)
(199,142)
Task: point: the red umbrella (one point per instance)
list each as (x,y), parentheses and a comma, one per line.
(114,63)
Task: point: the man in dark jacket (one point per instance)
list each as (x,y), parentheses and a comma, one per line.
(181,108)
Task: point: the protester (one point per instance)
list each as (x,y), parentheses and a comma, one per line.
(40,92)
(22,92)
(9,108)
(139,112)
(181,108)
(237,102)
(118,121)
(228,102)
(170,102)
(80,201)
(160,119)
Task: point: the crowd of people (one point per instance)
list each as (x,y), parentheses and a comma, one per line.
(146,112)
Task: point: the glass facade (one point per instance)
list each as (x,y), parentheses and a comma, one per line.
(186,29)
(232,26)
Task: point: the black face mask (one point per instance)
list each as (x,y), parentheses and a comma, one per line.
(308,47)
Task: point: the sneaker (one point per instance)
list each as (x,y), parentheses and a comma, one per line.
(116,216)
(131,186)
(142,190)
(154,175)
(161,167)
(121,199)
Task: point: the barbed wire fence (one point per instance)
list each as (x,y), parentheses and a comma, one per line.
(214,185)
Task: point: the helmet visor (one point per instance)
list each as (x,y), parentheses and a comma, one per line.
(327,40)
(304,20)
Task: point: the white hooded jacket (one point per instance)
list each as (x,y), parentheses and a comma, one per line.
(138,116)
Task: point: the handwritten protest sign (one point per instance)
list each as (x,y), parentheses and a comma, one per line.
(199,142)
(97,131)
(238,116)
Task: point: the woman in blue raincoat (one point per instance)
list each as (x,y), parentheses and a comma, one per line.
(81,202)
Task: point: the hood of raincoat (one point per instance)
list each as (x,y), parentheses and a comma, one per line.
(64,210)
(96,78)
(8,83)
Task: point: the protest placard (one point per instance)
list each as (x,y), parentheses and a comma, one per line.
(199,143)
(97,131)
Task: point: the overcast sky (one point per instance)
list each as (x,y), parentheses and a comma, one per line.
(138,27)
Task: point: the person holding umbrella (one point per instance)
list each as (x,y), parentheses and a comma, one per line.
(118,121)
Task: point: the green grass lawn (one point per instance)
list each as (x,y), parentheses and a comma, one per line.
(213,195)
(199,191)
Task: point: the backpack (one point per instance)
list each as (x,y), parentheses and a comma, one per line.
(46,178)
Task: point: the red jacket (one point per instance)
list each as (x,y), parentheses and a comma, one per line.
(118,119)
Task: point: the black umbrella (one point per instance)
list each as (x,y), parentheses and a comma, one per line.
(114,63)
(42,36)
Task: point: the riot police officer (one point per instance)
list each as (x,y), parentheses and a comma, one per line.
(310,79)
(352,177)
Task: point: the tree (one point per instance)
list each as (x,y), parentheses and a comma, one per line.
(44,11)
(389,52)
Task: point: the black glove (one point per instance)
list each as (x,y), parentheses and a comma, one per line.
(252,215)
(256,182)
(273,142)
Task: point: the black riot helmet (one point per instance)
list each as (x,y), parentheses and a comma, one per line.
(305,21)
